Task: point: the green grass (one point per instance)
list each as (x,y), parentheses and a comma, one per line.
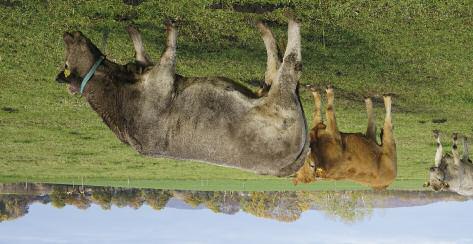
(274,184)
(419,50)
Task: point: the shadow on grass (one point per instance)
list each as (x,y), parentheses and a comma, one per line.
(331,53)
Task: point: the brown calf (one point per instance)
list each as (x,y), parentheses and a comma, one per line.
(350,156)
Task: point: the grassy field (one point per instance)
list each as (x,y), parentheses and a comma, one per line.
(419,50)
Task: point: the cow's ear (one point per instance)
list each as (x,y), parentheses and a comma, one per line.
(68,38)
(426,184)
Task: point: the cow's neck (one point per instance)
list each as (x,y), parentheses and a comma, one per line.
(105,95)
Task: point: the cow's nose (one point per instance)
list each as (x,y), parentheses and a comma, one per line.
(60,78)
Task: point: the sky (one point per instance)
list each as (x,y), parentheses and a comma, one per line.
(441,222)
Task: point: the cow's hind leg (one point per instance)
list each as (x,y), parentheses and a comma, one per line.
(140,54)
(371,129)
(388,137)
(439,152)
(273,57)
(466,152)
(455,153)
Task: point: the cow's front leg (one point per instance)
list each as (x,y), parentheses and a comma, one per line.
(167,64)
(294,43)
(388,169)
(140,54)
(290,69)
(273,57)
(388,141)
(317,119)
(330,114)
(160,81)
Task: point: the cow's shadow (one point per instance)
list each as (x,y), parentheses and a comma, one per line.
(331,54)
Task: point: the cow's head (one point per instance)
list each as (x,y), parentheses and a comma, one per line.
(437,178)
(81,54)
(308,172)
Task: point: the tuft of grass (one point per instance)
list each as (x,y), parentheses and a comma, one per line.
(419,50)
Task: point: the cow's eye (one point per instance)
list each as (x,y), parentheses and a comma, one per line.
(67,71)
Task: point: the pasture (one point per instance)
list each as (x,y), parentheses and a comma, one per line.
(420,51)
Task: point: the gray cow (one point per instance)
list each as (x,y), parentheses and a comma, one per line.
(451,172)
(210,119)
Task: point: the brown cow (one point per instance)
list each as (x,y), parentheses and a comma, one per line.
(350,156)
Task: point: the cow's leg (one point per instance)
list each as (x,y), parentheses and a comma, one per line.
(371,129)
(317,119)
(140,54)
(439,152)
(455,153)
(167,63)
(330,114)
(160,81)
(294,45)
(285,84)
(388,168)
(273,60)
(465,150)
(388,137)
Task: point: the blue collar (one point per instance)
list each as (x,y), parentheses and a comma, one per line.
(90,74)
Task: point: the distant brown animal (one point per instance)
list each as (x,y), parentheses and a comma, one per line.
(350,156)
(452,172)
(210,119)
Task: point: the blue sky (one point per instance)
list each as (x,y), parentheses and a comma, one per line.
(444,222)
